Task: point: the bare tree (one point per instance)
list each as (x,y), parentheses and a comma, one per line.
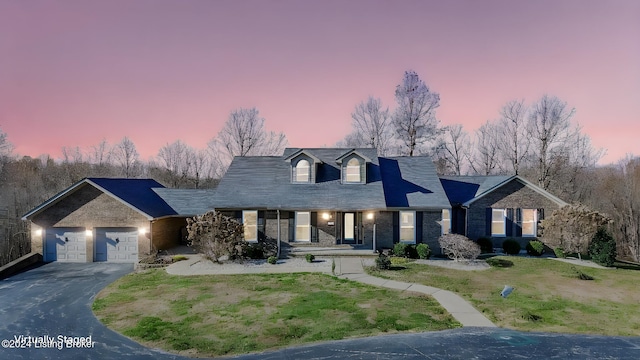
(100,154)
(514,145)
(176,158)
(127,157)
(485,159)
(371,125)
(415,120)
(201,167)
(243,134)
(453,150)
(5,146)
(548,127)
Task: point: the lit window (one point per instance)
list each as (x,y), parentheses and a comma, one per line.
(446,221)
(529,222)
(250,222)
(302,171)
(498,222)
(353,171)
(303,226)
(407,227)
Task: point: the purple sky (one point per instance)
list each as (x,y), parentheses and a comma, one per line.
(75,72)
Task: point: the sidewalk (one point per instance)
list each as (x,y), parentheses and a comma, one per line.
(346,267)
(461,310)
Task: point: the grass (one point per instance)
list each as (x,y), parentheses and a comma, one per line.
(232,314)
(549,295)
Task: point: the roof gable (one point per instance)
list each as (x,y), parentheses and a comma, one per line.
(135,193)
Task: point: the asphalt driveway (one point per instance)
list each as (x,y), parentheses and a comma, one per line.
(55,300)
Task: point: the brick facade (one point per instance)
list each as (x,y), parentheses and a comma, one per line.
(512,195)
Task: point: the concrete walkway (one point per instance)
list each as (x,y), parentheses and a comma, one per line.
(347,267)
(461,310)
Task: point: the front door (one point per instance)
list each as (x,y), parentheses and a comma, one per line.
(350,228)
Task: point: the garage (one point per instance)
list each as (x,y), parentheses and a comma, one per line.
(65,245)
(116,244)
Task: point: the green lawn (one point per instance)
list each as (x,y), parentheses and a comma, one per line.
(548,296)
(232,314)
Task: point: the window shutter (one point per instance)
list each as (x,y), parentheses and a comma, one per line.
(363,172)
(488,218)
(509,223)
(396,226)
(261,224)
(314,227)
(419,220)
(540,218)
(519,222)
(292,225)
(238,216)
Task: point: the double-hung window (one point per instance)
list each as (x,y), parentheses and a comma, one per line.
(498,222)
(302,172)
(353,171)
(529,222)
(446,221)
(250,222)
(303,226)
(408,227)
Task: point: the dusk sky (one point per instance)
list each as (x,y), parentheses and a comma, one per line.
(75,72)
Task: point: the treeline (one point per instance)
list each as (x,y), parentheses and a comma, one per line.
(536,140)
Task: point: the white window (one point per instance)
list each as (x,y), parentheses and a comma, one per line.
(303,226)
(446,221)
(250,222)
(302,171)
(353,171)
(407,227)
(498,217)
(529,222)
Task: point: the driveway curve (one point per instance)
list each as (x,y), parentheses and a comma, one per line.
(55,300)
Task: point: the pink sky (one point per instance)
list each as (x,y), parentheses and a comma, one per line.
(75,72)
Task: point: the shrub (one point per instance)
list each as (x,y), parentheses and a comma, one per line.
(272,260)
(215,235)
(511,247)
(405,250)
(383,262)
(535,248)
(310,257)
(459,247)
(559,252)
(603,248)
(423,250)
(486,245)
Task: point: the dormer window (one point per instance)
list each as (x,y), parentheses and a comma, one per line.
(353,171)
(302,171)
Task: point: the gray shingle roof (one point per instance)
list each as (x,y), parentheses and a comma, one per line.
(264,182)
(461,189)
(187,202)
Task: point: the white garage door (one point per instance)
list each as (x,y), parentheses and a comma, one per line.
(65,244)
(116,244)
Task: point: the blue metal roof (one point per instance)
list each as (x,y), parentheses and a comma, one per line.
(137,193)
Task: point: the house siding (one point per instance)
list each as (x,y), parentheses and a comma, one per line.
(431,230)
(512,195)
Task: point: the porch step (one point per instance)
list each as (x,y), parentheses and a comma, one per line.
(338,250)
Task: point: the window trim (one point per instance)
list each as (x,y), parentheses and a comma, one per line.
(503,220)
(308,226)
(412,226)
(246,226)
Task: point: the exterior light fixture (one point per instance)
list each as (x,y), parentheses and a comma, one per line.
(88,232)
(370,216)
(326,216)
(142,231)
(39,232)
